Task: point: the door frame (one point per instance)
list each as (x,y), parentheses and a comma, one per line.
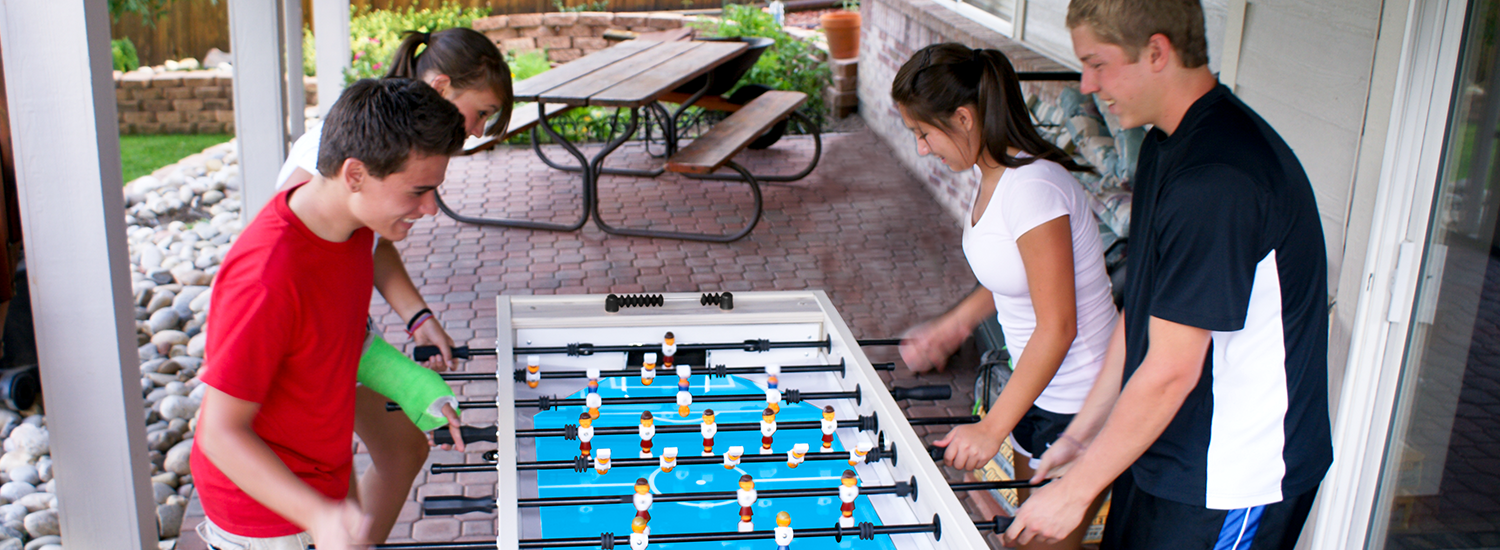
(1426,62)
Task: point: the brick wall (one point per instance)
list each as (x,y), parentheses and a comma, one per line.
(181,102)
(894,29)
(568,36)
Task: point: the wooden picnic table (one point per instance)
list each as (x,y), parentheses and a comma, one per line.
(632,75)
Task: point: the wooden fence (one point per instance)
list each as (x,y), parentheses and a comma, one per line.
(191,27)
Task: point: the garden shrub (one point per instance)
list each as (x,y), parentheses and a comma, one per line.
(124,54)
(374,34)
(789,64)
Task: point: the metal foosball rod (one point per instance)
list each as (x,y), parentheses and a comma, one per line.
(631,372)
(547,402)
(866,423)
(864,531)
(422,353)
(581,463)
(455,505)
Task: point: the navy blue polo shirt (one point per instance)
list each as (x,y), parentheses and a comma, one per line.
(1225,237)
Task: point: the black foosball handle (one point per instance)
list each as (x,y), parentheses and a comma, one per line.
(455,505)
(423,353)
(999,525)
(442,436)
(923,393)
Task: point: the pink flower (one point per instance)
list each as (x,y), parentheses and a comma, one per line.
(358,55)
(377,66)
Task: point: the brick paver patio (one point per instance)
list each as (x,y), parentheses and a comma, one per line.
(860,227)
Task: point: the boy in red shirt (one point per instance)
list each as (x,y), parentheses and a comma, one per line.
(272,460)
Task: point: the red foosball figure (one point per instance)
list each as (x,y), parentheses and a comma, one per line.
(746,498)
(585,434)
(708,429)
(767,429)
(647,431)
(848,491)
(828,424)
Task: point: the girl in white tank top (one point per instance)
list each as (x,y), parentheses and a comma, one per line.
(1032,243)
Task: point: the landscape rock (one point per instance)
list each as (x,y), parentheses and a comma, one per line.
(169,520)
(12,491)
(41,524)
(41,542)
(29,439)
(177,458)
(38,501)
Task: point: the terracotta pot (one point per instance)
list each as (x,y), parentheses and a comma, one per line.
(842,29)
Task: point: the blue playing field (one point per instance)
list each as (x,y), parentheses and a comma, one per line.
(694,517)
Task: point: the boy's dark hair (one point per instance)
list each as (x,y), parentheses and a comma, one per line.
(469,60)
(384,122)
(940,78)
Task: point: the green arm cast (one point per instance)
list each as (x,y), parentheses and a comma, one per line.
(415,388)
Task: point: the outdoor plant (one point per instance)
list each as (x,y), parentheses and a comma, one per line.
(596,5)
(124,53)
(789,64)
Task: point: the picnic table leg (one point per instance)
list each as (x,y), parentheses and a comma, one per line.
(744,175)
(587,190)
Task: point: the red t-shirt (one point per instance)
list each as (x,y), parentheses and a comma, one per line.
(286,330)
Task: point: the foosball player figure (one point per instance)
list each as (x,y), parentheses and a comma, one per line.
(648,369)
(601,462)
(668,459)
(643,502)
(708,429)
(746,498)
(795,456)
(684,376)
(783,531)
(638,534)
(669,347)
(593,401)
(732,458)
(857,454)
(772,374)
(848,491)
(684,402)
(647,431)
(585,434)
(533,370)
(767,429)
(773,399)
(592,373)
(828,424)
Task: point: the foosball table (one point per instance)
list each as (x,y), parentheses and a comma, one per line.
(687,421)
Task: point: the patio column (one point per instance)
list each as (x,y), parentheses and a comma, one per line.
(331,33)
(67,150)
(296,94)
(256,32)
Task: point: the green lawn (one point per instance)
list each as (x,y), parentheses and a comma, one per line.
(140,155)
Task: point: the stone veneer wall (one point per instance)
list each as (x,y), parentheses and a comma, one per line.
(568,36)
(181,102)
(891,31)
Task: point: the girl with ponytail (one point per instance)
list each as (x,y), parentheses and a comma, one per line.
(1032,243)
(467,70)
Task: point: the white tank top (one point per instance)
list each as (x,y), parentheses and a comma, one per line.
(1025,198)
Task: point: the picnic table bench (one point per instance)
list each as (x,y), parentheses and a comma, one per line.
(636,76)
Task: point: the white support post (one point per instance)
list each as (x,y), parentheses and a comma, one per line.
(67,150)
(260,103)
(331,33)
(296,94)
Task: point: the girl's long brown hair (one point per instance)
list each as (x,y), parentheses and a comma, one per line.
(465,56)
(940,78)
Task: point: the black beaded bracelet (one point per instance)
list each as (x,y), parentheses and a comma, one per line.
(411,323)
